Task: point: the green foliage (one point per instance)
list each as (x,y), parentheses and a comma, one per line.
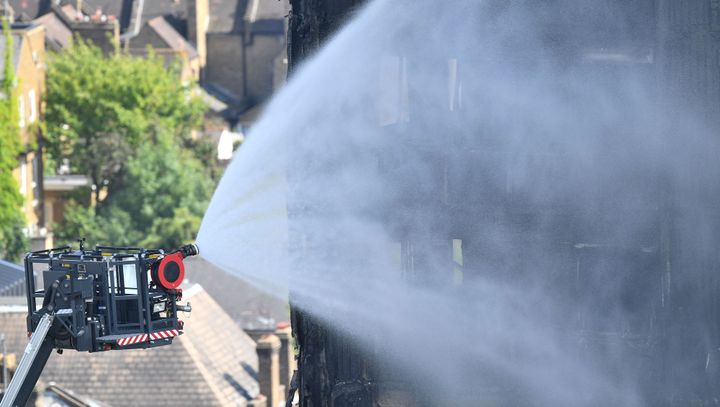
(127,122)
(180,179)
(111,227)
(12,220)
(173,231)
(205,150)
(101,108)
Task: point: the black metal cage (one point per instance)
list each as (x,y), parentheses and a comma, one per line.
(104,298)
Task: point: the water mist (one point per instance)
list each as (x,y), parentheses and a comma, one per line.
(482,195)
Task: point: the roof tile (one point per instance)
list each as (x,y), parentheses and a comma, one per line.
(193,371)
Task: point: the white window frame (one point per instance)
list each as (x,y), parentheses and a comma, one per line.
(33,106)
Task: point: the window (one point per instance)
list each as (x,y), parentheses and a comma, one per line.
(36,171)
(23,176)
(393,94)
(457,261)
(33,106)
(21,108)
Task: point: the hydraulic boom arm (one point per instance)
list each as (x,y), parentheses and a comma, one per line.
(31,365)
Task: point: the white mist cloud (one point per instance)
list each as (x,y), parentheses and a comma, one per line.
(533,132)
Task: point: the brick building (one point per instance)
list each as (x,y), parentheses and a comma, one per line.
(235,49)
(29,63)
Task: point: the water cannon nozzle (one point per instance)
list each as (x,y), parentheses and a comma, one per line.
(189,250)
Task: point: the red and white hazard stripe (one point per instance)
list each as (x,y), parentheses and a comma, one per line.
(154,336)
(131,340)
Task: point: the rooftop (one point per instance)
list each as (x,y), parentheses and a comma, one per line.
(214,363)
(258,10)
(26,10)
(232,15)
(57,34)
(246,304)
(107,7)
(225,13)
(12,279)
(171,37)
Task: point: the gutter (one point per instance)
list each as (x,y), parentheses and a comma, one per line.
(138,22)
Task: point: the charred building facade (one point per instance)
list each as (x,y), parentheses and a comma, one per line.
(670,286)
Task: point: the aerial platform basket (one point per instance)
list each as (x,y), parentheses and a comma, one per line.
(109,298)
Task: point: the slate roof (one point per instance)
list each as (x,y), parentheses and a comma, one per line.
(266,16)
(218,344)
(70,12)
(127,11)
(226,15)
(121,9)
(212,364)
(171,37)
(108,7)
(12,279)
(57,34)
(266,10)
(26,10)
(251,307)
(173,11)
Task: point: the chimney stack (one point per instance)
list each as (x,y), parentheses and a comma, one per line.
(197,25)
(268,351)
(287,356)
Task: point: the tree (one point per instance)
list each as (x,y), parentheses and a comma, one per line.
(167,191)
(100,109)
(127,122)
(12,220)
